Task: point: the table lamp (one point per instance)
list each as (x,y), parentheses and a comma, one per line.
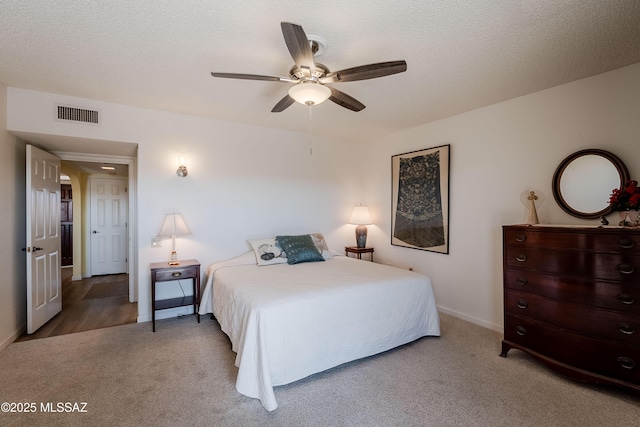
(173,226)
(360,216)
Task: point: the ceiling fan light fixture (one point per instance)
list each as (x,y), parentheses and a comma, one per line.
(309,93)
(310,76)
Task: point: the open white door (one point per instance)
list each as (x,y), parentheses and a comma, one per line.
(109,235)
(44,281)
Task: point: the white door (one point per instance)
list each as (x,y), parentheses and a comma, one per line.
(108,226)
(44,282)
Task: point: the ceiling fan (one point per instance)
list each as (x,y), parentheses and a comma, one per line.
(310,77)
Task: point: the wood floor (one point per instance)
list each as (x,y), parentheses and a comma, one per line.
(83,312)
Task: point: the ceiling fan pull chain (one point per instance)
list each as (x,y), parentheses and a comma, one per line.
(310,117)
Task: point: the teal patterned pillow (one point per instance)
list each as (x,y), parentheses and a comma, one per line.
(299,249)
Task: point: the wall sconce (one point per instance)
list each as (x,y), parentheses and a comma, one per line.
(182,167)
(360,216)
(173,226)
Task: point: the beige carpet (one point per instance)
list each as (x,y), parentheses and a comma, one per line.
(184,374)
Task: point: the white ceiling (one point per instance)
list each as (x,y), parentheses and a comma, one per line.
(461,55)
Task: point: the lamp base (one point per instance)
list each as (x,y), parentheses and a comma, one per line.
(361,236)
(173,260)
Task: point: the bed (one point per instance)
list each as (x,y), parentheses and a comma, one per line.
(286,322)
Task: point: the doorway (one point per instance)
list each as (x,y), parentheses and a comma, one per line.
(80,167)
(96,294)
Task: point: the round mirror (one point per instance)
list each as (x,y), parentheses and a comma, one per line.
(584,180)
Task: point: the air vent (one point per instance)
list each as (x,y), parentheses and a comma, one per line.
(77,115)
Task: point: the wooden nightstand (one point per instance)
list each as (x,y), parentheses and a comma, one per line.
(162,272)
(358,251)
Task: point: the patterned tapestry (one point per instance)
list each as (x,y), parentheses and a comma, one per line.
(419,219)
(420,199)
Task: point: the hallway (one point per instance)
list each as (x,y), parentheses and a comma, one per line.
(93,303)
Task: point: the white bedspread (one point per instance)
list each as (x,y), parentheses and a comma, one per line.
(287,322)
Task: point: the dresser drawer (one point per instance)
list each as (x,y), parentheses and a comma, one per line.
(615,360)
(596,240)
(581,319)
(176,274)
(624,268)
(620,297)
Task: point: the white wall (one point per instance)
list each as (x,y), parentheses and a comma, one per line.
(498,152)
(244,182)
(13,293)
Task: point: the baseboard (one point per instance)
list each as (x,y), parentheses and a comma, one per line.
(167,313)
(471,319)
(4,344)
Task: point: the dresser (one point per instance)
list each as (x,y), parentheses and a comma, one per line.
(572,300)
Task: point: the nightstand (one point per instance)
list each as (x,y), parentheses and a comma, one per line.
(163,272)
(358,251)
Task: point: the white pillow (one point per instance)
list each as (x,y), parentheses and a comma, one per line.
(268,252)
(321,245)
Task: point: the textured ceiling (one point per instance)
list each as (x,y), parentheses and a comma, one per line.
(461,55)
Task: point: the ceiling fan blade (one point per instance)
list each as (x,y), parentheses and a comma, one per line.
(298,45)
(365,72)
(344,100)
(283,104)
(252,77)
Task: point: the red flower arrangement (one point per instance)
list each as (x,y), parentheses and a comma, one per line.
(625,198)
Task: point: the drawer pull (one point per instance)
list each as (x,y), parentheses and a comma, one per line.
(521,330)
(626,243)
(626,268)
(626,299)
(177,274)
(626,328)
(626,362)
(521,281)
(520,237)
(522,304)
(521,258)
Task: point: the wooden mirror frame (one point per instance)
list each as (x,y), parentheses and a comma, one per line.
(557,176)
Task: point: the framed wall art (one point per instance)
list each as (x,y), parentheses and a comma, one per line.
(420,199)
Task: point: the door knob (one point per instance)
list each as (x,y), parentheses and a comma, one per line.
(94,232)
(35,248)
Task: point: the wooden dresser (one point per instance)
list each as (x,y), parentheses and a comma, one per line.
(572,300)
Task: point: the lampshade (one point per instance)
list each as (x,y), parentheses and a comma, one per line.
(360,215)
(309,93)
(174,225)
